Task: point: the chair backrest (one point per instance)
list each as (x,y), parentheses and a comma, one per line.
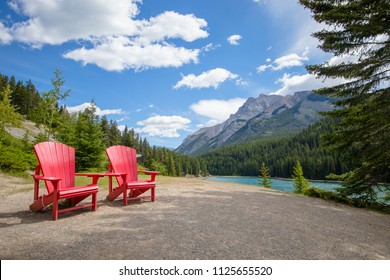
(56,160)
(123,160)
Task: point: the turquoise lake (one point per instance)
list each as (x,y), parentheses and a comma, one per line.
(277,184)
(282,185)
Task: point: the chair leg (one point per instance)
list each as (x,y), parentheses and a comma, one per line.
(54,211)
(125,197)
(94,202)
(153,191)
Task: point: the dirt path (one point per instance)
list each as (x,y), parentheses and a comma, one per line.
(192,219)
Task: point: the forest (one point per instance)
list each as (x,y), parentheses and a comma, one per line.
(89,134)
(279,155)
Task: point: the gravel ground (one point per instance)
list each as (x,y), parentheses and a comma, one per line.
(192,219)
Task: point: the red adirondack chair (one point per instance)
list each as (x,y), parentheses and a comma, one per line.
(123,163)
(57,169)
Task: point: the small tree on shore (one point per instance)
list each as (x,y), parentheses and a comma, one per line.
(264,176)
(299,181)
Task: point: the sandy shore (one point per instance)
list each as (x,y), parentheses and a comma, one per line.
(192,219)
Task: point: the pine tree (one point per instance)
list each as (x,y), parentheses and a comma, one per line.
(87,140)
(114,137)
(264,176)
(106,131)
(8,114)
(299,181)
(47,114)
(359,35)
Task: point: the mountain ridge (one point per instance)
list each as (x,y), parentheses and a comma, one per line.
(261,117)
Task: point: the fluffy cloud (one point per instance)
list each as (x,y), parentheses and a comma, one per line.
(291,84)
(173,25)
(57,22)
(5,37)
(217,110)
(286,61)
(233,40)
(163,126)
(113,37)
(211,78)
(117,54)
(99,112)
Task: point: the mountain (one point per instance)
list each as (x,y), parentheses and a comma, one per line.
(262,117)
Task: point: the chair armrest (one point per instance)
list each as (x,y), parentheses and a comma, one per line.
(39,177)
(90,174)
(151,173)
(111,174)
(95,176)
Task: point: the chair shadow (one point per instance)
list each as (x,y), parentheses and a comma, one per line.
(118,203)
(10,219)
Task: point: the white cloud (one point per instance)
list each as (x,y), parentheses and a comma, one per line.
(262,68)
(163,126)
(117,54)
(111,34)
(241,82)
(121,127)
(287,61)
(233,40)
(208,123)
(57,22)
(291,84)
(337,60)
(99,112)
(217,110)
(211,78)
(210,47)
(5,37)
(173,25)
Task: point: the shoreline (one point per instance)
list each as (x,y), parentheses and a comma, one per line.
(277,178)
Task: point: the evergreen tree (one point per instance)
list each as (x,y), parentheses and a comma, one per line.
(66,126)
(8,115)
(47,114)
(264,176)
(87,140)
(114,136)
(299,181)
(359,36)
(106,131)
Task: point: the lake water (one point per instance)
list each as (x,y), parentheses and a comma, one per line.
(277,184)
(283,185)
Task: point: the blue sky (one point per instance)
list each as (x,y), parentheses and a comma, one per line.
(163,67)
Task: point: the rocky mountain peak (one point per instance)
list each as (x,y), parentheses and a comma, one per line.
(264,116)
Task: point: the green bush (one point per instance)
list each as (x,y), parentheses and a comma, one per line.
(332,196)
(16,160)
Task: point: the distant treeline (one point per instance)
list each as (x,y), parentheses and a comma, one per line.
(279,155)
(89,134)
